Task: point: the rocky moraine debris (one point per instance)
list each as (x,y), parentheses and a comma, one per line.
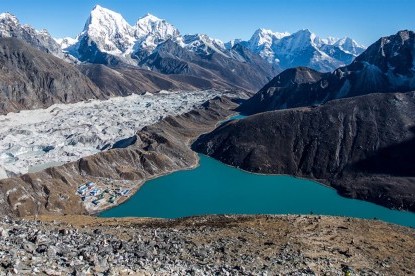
(222,245)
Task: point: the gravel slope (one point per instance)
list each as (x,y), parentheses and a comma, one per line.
(220,245)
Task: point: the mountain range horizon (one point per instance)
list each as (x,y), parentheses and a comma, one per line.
(231,19)
(123,41)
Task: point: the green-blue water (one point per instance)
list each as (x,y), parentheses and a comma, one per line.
(215,188)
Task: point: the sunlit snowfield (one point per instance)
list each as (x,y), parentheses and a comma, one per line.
(35,139)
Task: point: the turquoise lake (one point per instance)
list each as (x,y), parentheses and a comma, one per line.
(215,188)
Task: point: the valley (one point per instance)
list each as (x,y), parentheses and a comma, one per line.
(136,148)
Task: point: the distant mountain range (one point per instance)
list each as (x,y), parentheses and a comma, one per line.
(107,38)
(386,66)
(303,48)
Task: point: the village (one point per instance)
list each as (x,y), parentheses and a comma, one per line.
(104,193)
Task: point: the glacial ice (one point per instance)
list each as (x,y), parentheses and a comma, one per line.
(35,139)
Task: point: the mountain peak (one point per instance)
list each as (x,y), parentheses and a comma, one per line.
(349,45)
(303,33)
(149,17)
(8,17)
(156,28)
(305,36)
(267,34)
(97,7)
(100,13)
(405,34)
(109,30)
(394,54)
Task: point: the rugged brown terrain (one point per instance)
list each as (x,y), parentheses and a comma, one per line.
(158,149)
(30,78)
(362,146)
(125,80)
(212,245)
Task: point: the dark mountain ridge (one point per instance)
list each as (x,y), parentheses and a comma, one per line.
(362,146)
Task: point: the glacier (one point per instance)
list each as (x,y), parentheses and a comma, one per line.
(32,140)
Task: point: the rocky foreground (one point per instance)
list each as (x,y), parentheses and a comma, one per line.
(222,245)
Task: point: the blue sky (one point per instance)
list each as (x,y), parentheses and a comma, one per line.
(363,20)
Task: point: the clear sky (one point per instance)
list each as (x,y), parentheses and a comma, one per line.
(363,20)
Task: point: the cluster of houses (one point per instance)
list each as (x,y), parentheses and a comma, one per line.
(90,192)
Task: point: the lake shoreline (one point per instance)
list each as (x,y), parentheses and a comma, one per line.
(212,188)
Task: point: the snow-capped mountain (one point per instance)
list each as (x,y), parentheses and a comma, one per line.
(151,31)
(261,42)
(349,45)
(11,27)
(202,44)
(303,48)
(155,44)
(108,38)
(66,42)
(233,42)
(387,66)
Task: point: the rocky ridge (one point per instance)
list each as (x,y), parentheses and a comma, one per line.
(30,78)
(41,40)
